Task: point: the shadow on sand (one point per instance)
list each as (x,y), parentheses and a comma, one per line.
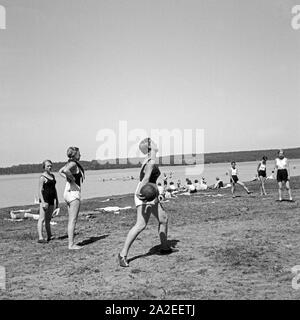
(91,240)
(156,251)
(65,236)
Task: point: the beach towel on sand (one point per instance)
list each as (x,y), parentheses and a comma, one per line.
(112,209)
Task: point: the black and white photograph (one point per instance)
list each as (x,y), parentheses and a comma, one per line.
(149,151)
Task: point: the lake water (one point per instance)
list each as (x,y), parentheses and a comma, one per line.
(23,189)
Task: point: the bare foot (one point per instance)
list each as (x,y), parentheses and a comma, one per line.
(74,247)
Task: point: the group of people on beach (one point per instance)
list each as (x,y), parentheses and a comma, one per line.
(171,190)
(281,166)
(283,175)
(74,175)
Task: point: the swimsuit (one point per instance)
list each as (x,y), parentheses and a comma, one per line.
(153,178)
(262,171)
(49,190)
(234,177)
(73,189)
(282,173)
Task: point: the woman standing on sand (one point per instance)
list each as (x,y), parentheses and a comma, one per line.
(233,174)
(74,175)
(47,198)
(283,174)
(149,173)
(262,174)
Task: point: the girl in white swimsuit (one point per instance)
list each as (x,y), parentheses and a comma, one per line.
(74,175)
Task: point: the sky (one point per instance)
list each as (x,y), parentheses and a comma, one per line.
(71,68)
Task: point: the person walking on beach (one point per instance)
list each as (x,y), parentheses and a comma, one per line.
(262,174)
(233,174)
(47,198)
(149,173)
(73,172)
(283,174)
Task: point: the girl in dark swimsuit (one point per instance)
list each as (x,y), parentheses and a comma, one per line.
(149,173)
(48,197)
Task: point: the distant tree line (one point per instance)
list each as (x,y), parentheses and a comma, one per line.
(218,157)
(253,155)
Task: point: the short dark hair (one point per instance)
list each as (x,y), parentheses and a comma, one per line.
(44,163)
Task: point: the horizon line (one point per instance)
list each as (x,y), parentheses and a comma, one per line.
(165,156)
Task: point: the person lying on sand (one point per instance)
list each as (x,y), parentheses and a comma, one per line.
(201,186)
(219,184)
(191,188)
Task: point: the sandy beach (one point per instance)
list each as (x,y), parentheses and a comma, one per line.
(224,248)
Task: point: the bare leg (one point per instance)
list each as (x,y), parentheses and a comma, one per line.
(48,217)
(260,186)
(143,215)
(243,185)
(288,187)
(280,190)
(73,209)
(232,188)
(263,185)
(41,222)
(162,219)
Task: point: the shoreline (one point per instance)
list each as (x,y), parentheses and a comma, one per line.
(114,185)
(209,158)
(130,197)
